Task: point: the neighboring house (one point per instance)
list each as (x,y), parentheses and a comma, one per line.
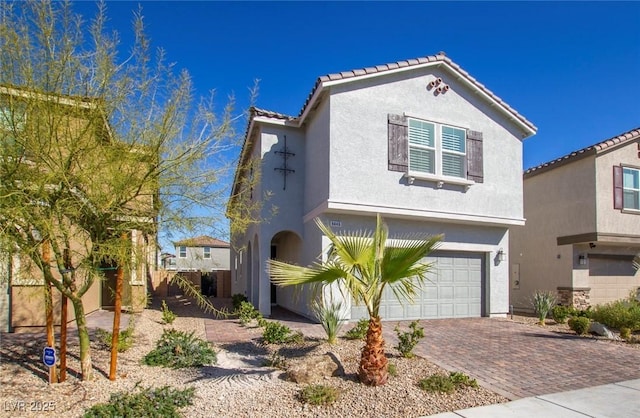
(420,142)
(21,284)
(168,261)
(205,260)
(583,226)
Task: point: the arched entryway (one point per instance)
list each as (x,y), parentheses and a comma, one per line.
(285,246)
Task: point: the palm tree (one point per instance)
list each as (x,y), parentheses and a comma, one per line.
(363,264)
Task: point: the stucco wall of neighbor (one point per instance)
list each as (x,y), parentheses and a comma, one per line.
(316,157)
(359,155)
(612,220)
(559,202)
(195,260)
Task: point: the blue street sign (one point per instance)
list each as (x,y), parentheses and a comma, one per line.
(49,356)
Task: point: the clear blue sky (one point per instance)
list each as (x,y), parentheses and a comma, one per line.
(573,69)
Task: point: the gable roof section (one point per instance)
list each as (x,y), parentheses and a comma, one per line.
(584,152)
(201,241)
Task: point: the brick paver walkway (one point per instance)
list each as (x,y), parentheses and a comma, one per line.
(518,360)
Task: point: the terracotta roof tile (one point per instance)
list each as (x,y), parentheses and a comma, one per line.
(591,149)
(202,241)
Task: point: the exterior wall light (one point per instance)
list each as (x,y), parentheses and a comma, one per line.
(582,260)
(502,256)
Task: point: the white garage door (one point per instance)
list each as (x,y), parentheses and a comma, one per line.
(455,291)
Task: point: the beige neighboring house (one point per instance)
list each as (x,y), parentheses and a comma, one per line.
(205,261)
(582,226)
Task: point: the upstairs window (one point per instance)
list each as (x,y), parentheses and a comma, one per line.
(207,252)
(631,188)
(182,252)
(436,149)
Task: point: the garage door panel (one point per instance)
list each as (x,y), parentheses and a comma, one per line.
(454,290)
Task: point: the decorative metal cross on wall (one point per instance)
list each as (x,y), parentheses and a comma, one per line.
(285,170)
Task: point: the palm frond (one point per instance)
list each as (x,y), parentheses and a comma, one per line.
(285,274)
(201,301)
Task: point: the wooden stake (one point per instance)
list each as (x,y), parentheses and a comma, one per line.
(46,257)
(116,320)
(63,324)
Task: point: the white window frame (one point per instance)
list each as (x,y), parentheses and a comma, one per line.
(439,151)
(180,248)
(626,188)
(206,252)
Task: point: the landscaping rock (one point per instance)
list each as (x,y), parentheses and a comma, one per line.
(315,369)
(599,329)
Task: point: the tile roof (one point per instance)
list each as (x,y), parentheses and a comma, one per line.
(201,241)
(591,149)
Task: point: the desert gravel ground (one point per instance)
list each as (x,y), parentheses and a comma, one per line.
(239,385)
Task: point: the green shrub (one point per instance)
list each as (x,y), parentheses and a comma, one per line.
(125,338)
(461,380)
(167,315)
(447,384)
(359,331)
(329,318)
(261,322)
(580,324)
(154,403)
(247,312)
(277,361)
(437,383)
(618,314)
(542,303)
(237,299)
(407,341)
(560,313)
(318,394)
(625,333)
(276,333)
(178,349)
(392,369)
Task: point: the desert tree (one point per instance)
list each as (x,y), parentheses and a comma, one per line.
(97,146)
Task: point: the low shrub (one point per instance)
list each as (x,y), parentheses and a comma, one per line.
(125,338)
(542,302)
(178,349)
(318,395)
(329,317)
(447,384)
(237,299)
(359,331)
(625,333)
(277,361)
(618,314)
(157,403)
(407,341)
(167,315)
(392,369)
(277,333)
(461,380)
(437,383)
(246,313)
(560,313)
(580,324)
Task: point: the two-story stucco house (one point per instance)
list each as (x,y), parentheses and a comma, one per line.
(583,226)
(420,142)
(204,260)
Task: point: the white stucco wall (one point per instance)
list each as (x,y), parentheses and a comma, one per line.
(359,154)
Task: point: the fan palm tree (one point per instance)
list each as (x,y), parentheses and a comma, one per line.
(363,264)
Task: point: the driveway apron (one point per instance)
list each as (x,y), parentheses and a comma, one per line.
(518,360)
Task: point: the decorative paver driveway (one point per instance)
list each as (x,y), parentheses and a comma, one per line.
(518,360)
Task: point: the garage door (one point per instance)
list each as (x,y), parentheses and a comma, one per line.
(455,291)
(611,277)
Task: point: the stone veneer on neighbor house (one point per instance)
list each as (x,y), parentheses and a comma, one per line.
(577,297)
